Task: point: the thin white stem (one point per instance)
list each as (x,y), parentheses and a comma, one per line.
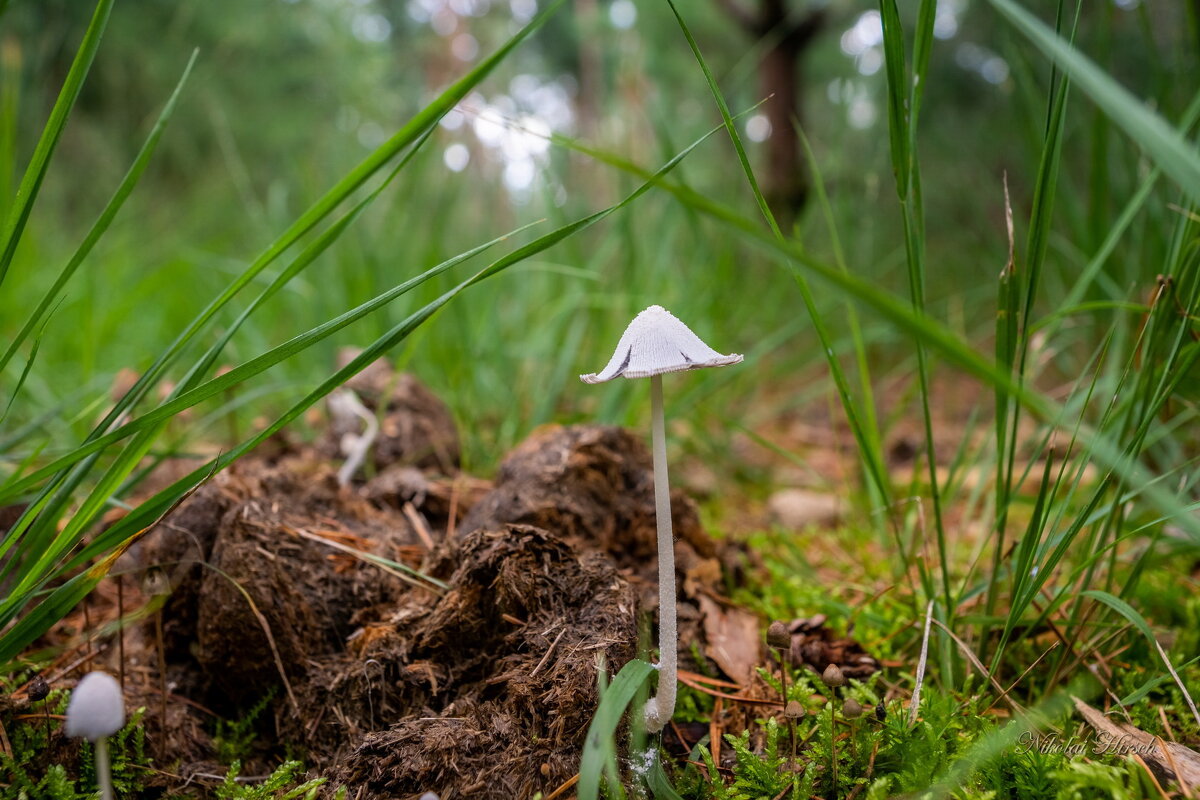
(102,770)
(915,705)
(660,708)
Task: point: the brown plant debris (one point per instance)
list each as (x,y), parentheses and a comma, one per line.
(1169,761)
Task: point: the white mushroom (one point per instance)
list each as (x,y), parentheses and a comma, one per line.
(97,711)
(654,343)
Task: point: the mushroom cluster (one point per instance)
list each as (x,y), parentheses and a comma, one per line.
(655,343)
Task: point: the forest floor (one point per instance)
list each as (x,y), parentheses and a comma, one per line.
(422,629)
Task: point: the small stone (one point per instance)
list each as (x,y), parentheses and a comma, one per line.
(797,509)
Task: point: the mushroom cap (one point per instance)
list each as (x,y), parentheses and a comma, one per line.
(97,708)
(657,342)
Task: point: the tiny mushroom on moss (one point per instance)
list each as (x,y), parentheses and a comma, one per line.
(833,677)
(97,711)
(778,636)
(656,342)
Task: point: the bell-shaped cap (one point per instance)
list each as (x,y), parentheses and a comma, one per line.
(654,343)
(97,708)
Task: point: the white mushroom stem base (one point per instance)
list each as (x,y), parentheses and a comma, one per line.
(102,769)
(660,707)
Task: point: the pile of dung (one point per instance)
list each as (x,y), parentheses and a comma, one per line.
(593,484)
(416,428)
(489,687)
(262,581)
(475,679)
(478,680)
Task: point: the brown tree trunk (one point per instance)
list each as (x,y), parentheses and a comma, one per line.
(785,181)
(591,67)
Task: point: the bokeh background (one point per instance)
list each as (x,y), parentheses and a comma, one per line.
(288,95)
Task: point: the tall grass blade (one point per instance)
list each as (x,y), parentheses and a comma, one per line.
(1127,611)
(904,99)
(871,456)
(31,182)
(136,521)
(106,216)
(1165,146)
(598,746)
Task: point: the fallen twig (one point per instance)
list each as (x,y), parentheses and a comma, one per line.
(916,696)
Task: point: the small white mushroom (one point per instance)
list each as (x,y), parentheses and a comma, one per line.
(97,711)
(656,342)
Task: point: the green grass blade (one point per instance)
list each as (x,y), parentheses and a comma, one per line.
(423,121)
(904,95)
(1165,146)
(897,96)
(106,216)
(599,742)
(659,783)
(16,390)
(31,182)
(1125,610)
(922,49)
(119,534)
(874,466)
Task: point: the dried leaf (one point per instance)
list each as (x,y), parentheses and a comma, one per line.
(733,640)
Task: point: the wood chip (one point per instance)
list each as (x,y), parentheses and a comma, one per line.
(1168,760)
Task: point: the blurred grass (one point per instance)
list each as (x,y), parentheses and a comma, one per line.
(178,241)
(242,161)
